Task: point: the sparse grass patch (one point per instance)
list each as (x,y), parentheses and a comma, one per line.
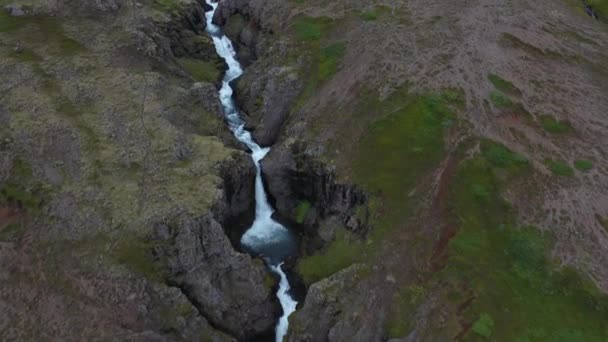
(509,40)
(339,254)
(167,6)
(503,85)
(560,168)
(308,29)
(202,71)
(583,165)
(20,188)
(9,23)
(403,309)
(330,57)
(554,126)
(135,253)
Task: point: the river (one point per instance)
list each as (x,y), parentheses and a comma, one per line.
(265,237)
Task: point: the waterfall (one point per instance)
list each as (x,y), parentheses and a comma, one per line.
(265,237)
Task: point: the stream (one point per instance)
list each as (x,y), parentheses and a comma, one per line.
(265,237)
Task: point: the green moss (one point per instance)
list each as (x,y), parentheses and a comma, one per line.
(339,254)
(371,15)
(601,6)
(168,6)
(20,188)
(9,23)
(583,165)
(560,168)
(308,29)
(202,71)
(301,211)
(503,85)
(501,157)
(484,325)
(554,126)
(404,145)
(329,59)
(508,271)
(501,101)
(136,254)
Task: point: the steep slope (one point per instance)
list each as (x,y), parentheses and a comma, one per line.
(476,130)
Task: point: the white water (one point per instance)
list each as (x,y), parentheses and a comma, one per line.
(265,237)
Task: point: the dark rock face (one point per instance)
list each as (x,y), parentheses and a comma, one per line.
(227,287)
(293,176)
(267,96)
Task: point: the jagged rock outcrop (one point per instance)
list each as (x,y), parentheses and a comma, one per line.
(293,176)
(339,308)
(268,96)
(226,286)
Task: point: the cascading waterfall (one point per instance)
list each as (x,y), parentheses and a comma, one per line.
(265,237)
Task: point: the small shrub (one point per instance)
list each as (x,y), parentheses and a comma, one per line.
(484,325)
(503,85)
(501,101)
(560,168)
(369,15)
(583,165)
(554,126)
(502,157)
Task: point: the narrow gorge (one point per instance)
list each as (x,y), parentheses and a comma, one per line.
(266,238)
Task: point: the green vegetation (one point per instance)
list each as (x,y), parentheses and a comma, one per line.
(554,126)
(202,71)
(501,101)
(501,157)
(310,29)
(167,6)
(329,59)
(484,325)
(503,85)
(341,253)
(401,147)
(370,15)
(301,211)
(560,168)
(406,144)
(583,165)
(601,6)
(518,294)
(20,189)
(324,56)
(135,253)
(9,23)
(47,31)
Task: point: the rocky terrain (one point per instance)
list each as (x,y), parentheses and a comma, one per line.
(444,163)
